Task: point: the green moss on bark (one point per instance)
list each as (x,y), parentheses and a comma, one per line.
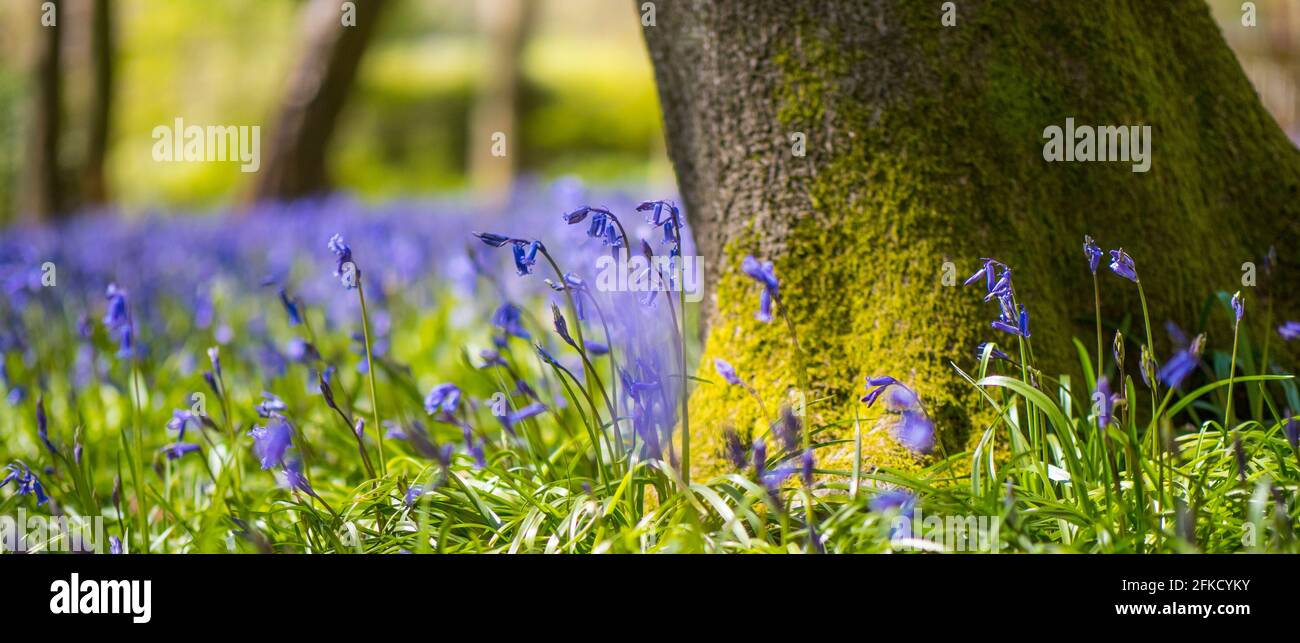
(940,160)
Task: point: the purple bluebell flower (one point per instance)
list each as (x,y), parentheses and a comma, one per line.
(442,400)
(807,464)
(27,482)
(512,419)
(995,353)
(1289,330)
(876,386)
(270,442)
(271,405)
(1104,402)
(116,315)
(727,372)
(525,257)
(1122,265)
(562,326)
(546,356)
(510,320)
(789,429)
(179,450)
(290,308)
(43,426)
(114,545)
(765,274)
(895,499)
(1011,319)
(1182,364)
(494,240)
(346,270)
(413,494)
(596,348)
(295,479)
(734,449)
(1093,252)
(214,357)
(915,431)
(181,419)
(760,456)
(1238,306)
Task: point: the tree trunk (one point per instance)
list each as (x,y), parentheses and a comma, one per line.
(94,190)
(317,89)
(925,145)
(505,25)
(41,178)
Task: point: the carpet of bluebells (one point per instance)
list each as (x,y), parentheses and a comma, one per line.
(330,376)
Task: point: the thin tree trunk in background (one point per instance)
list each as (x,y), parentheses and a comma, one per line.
(504,24)
(41,191)
(294,162)
(924,153)
(94,189)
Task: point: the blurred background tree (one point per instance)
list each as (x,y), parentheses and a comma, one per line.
(567,80)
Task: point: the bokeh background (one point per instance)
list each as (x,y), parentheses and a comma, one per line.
(580,92)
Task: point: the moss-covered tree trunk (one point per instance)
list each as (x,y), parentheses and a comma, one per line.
(925,145)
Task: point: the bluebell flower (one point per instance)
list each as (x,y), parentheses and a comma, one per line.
(726,371)
(1104,400)
(346,270)
(43,426)
(442,400)
(546,357)
(789,428)
(510,320)
(271,405)
(295,479)
(915,431)
(895,499)
(214,357)
(807,464)
(270,442)
(413,494)
(734,450)
(494,240)
(27,482)
(116,315)
(114,545)
(290,308)
(765,274)
(561,326)
(1122,265)
(1289,330)
(1011,319)
(181,419)
(596,348)
(525,258)
(995,353)
(1238,306)
(1182,364)
(179,450)
(513,418)
(876,386)
(1093,253)
(760,456)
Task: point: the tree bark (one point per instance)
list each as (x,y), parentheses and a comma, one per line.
(318,88)
(41,190)
(496,107)
(94,189)
(924,147)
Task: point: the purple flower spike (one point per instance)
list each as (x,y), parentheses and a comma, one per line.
(727,372)
(1093,252)
(1122,265)
(270,442)
(1238,306)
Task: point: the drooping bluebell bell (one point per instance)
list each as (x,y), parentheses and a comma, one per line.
(442,400)
(562,326)
(876,386)
(1182,364)
(413,494)
(546,356)
(180,421)
(1289,330)
(116,314)
(509,319)
(27,482)
(43,426)
(179,450)
(271,405)
(295,479)
(596,348)
(491,239)
(895,499)
(1012,318)
(995,353)
(760,456)
(807,465)
(915,431)
(290,308)
(727,372)
(512,419)
(214,357)
(765,274)
(270,442)
(665,215)
(1093,253)
(1122,264)
(734,450)
(1238,306)
(114,545)
(1103,402)
(346,270)
(525,256)
(789,429)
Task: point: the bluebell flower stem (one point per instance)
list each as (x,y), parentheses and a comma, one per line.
(1096,301)
(370,374)
(1232,373)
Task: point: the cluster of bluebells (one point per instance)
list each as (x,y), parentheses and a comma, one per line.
(27,482)
(1012,316)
